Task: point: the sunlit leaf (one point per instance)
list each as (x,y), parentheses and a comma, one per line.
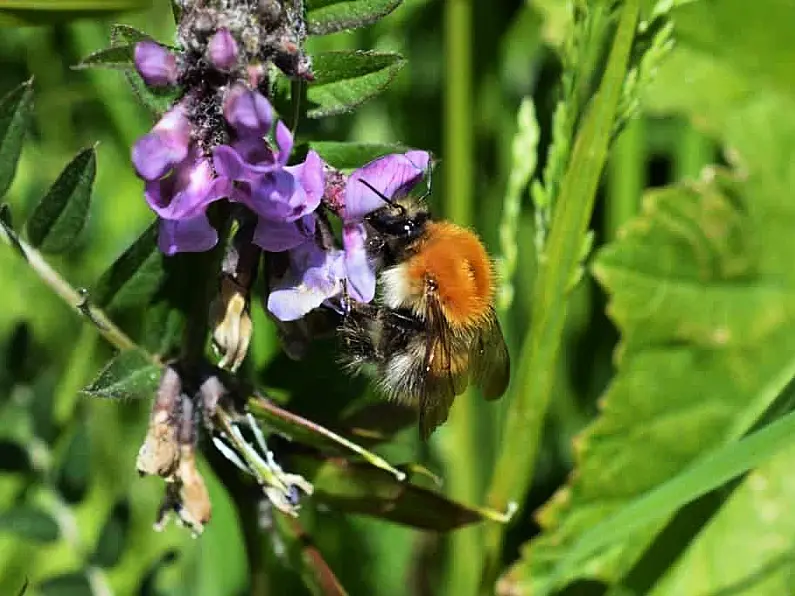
(330,16)
(29,523)
(360,488)
(130,375)
(15,110)
(114,57)
(346,79)
(58,219)
(348,156)
(751,540)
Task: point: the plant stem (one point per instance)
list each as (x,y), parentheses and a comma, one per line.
(693,152)
(537,362)
(627,178)
(461,432)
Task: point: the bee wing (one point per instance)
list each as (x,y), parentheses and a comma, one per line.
(489,360)
(442,379)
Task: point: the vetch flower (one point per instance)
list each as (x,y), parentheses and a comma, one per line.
(156,64)
(314,276)
(222,50)
(393,176)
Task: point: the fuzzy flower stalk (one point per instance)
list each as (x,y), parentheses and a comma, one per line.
(221,159)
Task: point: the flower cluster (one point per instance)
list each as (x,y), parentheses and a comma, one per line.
(184,175)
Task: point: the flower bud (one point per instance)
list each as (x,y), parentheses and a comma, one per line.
(156,65)
(159,454)
(222,50)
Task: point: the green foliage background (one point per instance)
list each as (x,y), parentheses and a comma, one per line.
(677,342)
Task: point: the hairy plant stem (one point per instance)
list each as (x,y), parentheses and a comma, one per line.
(534,378)
(458,445)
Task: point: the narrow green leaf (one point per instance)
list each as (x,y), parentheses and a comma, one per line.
(346,79)
(130,375)
(121,35)
(751,539)
(360,488)
(15,110)
(24,588)
(29,523)
(60,216)
(533,384)
(348,156)
(116,57)
(329,16)
(134,277)
(702,476)
(113,538)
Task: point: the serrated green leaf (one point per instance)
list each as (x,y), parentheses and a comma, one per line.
(116,57)
(346,79)
(329,16)
(348,156)
(134,277)
(60,216)
(121,34)
(29,523)
(130,375)
(360,488)
(15,110)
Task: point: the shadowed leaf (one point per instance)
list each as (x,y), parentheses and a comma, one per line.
(113,538)
(346,79)
(134,277)
(60,216)
(360,488)
(130,375)
(69,584)
(29,523)
(330,16)
(15,110)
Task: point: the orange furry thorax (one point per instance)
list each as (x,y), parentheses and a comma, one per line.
(451,261)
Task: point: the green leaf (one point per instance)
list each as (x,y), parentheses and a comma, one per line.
(706,474)
(130,375)
(750,540)
(60,216)
(69,584)
(708,337)
(348,78)
(349,156)
(330,16)
(134,277)
(29,523)
(15,110)
(360,488)
(121,35)
(113,538)
(117,57)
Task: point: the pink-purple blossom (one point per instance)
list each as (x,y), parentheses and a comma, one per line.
(222,50)
(156,64)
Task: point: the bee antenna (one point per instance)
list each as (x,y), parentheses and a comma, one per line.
(383,197)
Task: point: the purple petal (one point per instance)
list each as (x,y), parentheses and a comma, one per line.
(284,140)
(359,270)
(274,197)
(311,178)
(392,175)
(248,112)
(186,192)
(314,277)
(188,235)
(156,65)
(222,50)
(231,164)
(156,153)
(277,236)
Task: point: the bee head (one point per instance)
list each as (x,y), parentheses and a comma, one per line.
(397,220)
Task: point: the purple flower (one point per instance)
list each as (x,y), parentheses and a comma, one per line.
(314,276)
(179,184)
(222,50)
(156,65)
(393,176)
